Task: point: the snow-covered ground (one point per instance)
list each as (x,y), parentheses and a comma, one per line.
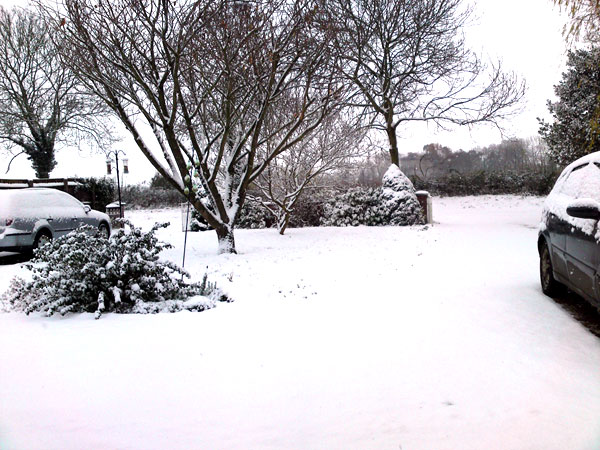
(339,338)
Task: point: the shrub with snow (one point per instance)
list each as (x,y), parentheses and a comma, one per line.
(308,210)
(86,272)
(395,203)
(357,206)
(252,215)
(399,200)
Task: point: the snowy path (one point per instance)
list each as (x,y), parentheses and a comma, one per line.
(365,338)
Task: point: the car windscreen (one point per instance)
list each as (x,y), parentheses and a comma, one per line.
(583,182)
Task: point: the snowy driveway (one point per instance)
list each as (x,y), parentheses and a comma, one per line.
(354,338)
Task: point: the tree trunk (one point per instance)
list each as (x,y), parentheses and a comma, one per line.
(226,239)
(394,157)
(283,222)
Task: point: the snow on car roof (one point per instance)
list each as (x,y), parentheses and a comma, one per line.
(27,201)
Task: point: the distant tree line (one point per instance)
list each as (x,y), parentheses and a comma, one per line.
(512,166)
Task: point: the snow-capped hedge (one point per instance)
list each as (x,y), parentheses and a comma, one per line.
(86,272)
(252,215)
(395,203)
(483,182)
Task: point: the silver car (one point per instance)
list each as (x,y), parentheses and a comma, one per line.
(30,217)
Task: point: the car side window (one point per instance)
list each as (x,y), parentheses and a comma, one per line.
(583,182)
(58,201)
(49,199)
(70,202)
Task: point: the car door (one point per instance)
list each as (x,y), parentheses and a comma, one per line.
(48,207)
(64,217)
(583,258)
(558,223)
(558,228)
(582,248)
(73,210)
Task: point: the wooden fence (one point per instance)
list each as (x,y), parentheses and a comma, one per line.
(64,184)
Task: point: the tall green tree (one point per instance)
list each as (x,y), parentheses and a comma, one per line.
(574,131)
(41,102)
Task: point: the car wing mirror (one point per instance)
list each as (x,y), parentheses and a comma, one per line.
(584,209)
(87,208)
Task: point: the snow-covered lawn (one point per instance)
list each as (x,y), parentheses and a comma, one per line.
(339,338)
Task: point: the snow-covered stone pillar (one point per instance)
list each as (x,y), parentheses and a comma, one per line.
(426,205)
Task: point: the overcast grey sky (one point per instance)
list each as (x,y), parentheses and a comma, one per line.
(524,34)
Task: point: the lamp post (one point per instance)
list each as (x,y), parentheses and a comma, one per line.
(113,156)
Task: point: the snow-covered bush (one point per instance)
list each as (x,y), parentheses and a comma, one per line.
(357,206)
(308,210)
(252,215)
(86,272)
(398,199)
(197,222)
(395,203)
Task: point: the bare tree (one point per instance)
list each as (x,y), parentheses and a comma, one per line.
(41,102)
(408,62)
(194,82)
(335,145)
(584,18)
(539,159)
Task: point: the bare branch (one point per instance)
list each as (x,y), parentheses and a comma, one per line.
(408,62)
(41,102)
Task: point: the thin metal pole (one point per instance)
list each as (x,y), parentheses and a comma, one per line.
(187,219)
(119,185)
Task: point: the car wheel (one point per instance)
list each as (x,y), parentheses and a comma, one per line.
(550,286)
(104,231)
(42,238)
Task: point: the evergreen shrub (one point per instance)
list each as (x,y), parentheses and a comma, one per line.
(394,203)
(308,210)
(98,192)
(86,272)
(253,215)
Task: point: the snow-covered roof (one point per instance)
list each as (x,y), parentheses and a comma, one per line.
(115,204)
